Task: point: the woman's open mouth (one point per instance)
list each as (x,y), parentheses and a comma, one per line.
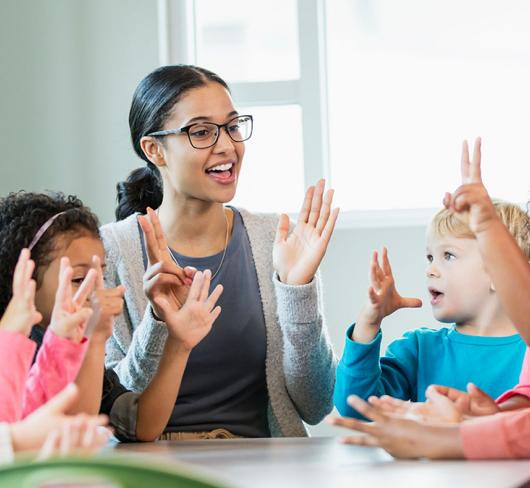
(223,173)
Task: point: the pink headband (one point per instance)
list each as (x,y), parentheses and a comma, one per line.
(43,228)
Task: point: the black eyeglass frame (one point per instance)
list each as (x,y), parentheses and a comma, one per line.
(186,129)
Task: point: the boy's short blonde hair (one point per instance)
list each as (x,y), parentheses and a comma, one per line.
(512,216)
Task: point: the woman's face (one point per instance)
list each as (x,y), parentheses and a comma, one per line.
(209,174)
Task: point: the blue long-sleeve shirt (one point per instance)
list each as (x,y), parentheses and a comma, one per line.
(423,357)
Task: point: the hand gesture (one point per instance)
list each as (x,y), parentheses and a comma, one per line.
(106,303)
(32,432)
(21,314)
(471,202)
(297,256)
(383,299)
(70,314)
(163,279)
(402,438)
(189,324)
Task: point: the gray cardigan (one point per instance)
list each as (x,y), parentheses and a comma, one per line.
(300,363)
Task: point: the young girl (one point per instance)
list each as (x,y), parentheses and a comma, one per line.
(71,232)
(272,361)
(508,433)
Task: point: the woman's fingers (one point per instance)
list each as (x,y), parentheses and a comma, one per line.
(303,216)
(195,289)
(316,203)
(214,296)
(330,226)
(151,245)
(205,286)
(282,230)
(167,267)
(163,249)
(325,211)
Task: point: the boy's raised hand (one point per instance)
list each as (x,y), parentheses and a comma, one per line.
(297,256)
(70,315)
(163,279)
(21,314)
(470,202)
(106,303)
(383,300)
(189,324)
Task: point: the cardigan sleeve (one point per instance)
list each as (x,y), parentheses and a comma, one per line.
(309,362)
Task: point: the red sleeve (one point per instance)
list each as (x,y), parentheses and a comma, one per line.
(16,353)
(523,388)
(57,364)
(500,436)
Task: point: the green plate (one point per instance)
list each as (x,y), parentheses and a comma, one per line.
(114,471)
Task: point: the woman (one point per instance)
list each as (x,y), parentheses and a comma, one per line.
(267,365)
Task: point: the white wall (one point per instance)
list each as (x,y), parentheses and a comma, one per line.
(69,68)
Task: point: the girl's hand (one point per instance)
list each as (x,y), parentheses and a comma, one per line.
(21,314)
(79,435)
(471,202)
(189,324)
(383,300)
(32,432)
(297,256)
(70,314)
(402,438)
(106,303)
(163,279)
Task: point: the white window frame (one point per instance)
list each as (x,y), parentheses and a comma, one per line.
(177,45)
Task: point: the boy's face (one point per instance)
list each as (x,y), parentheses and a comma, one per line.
(457,280)
(80,251)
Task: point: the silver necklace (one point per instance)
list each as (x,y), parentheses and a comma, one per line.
(224,250)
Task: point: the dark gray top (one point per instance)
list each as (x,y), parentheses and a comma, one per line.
(224,385)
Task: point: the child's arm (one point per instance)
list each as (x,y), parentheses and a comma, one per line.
(506,263)
(63,348)
(106,304)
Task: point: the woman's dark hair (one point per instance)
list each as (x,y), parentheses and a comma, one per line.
(151,106)
(21,216)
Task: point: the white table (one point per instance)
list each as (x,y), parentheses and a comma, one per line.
(323,462)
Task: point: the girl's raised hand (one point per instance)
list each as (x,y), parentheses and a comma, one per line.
(106,303)
(383,299)
(297,256)
(189,324)
(70,314)
(21,314)
(163,279)
(470,202)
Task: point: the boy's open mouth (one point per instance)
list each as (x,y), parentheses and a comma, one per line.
(436,296)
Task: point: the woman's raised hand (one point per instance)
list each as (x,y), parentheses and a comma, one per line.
(21,314)
(193,321)
(470,202)
(163,279)
(70,313)
(297,256)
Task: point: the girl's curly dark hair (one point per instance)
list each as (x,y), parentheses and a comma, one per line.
(21,216)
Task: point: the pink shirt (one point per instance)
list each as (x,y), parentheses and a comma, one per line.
(23,390)
(504,435)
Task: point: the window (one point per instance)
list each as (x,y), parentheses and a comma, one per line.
(375,95)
